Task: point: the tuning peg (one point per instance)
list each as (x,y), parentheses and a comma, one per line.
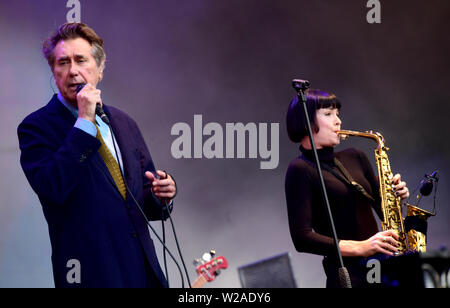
(197,262)
(207,257)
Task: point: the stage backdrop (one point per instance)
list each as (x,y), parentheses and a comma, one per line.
(188,71)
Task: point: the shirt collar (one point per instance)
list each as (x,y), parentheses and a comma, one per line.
(71,108)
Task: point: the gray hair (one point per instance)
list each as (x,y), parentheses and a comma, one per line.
(69,31)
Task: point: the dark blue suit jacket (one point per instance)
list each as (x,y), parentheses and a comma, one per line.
(88,219)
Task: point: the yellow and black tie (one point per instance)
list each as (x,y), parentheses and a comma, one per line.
(112,165)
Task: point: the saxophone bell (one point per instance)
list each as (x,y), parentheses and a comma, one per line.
(416,226)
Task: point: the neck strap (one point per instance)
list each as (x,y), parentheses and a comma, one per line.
(347,178)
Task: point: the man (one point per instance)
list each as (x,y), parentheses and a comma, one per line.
(87,176)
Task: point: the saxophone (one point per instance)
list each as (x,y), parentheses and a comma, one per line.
(413,238)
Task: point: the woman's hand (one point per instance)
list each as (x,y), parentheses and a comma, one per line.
(400,187)
(383,242)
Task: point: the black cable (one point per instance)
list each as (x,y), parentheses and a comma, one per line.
(164,249)
(164,240)
(178,246)
(140,209)
(174,232)
(148,223)
(418,200)
(434,198)
(413,193)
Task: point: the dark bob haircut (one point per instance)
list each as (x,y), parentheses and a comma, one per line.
(295,120)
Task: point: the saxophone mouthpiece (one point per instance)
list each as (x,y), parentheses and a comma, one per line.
(342,134)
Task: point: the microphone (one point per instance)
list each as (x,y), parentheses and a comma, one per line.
(98,108)
(426,185)
(300,84)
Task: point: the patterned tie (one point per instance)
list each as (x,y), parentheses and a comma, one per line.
(112,165)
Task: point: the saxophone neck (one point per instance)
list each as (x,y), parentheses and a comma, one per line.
(377,137)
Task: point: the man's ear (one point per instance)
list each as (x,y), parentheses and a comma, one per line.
(102,67)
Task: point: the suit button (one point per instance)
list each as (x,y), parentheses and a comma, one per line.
(134,234)
(83,158)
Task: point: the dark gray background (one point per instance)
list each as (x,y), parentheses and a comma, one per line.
(233,61)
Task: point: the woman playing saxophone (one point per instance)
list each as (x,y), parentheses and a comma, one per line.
(356,227)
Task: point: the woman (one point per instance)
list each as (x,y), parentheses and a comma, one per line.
(356,228)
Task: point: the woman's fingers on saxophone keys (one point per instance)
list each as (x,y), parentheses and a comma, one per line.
(388,242)
(392,234)
(396,179)
(399,187)
(388,252)
(392,242)
(385,251)
(384,242)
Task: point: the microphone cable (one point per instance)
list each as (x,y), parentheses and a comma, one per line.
(105,119)
(142,212)
(164,250)
(434,198)
(178,245)
(418,197)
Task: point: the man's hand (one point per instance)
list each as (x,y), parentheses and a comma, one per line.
(87,100)
(163,188)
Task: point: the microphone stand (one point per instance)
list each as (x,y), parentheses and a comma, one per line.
(301,86)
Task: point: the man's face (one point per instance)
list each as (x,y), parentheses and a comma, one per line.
(74,64)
